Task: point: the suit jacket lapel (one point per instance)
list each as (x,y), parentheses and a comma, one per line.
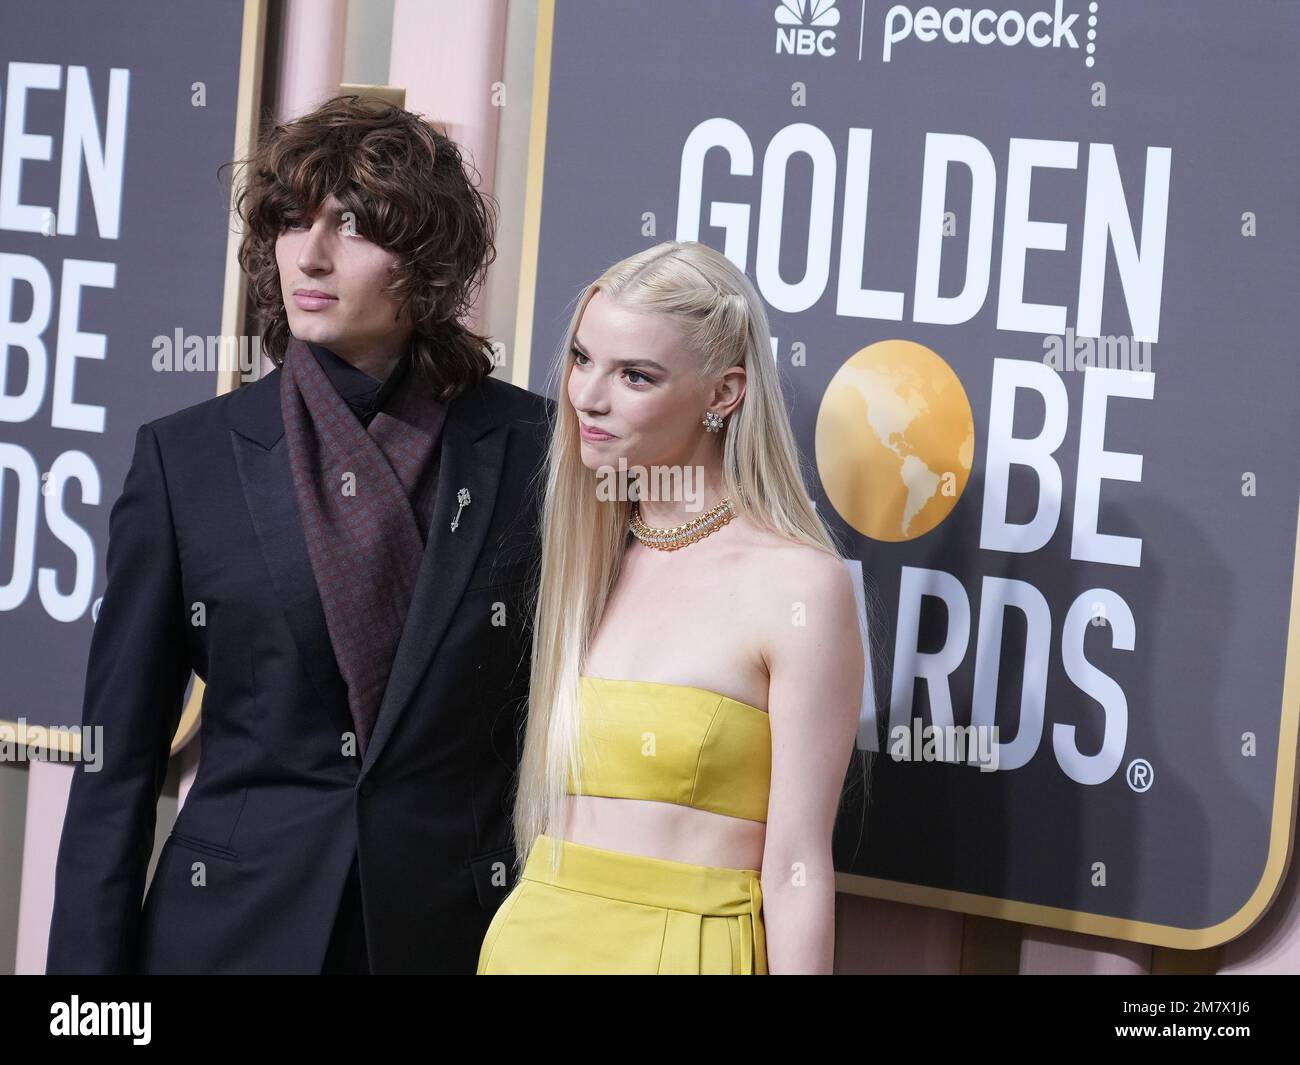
(472,452)
(262,458)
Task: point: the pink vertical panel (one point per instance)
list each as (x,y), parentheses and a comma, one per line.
(875,936)
(449,57)
(48,785)
(1056,951)
(310,64)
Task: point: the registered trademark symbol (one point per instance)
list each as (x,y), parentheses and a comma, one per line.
(1140,774)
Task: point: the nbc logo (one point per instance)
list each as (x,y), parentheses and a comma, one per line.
(805,26)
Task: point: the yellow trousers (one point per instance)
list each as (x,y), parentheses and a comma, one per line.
(609,912)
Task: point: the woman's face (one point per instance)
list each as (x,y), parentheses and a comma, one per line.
(350,313)
(632,379)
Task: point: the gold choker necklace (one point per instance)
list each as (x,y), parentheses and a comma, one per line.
(681,535)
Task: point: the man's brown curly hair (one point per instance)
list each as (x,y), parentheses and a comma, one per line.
(406,185)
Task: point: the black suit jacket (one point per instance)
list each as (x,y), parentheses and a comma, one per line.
(208,571)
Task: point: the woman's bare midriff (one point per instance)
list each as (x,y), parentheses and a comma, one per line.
(672,602)
(664,830)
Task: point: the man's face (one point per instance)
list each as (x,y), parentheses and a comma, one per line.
(332,281)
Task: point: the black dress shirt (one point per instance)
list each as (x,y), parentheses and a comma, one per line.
(366,395)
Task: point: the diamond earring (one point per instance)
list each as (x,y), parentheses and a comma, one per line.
(712,421)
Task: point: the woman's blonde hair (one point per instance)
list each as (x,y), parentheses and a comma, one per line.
(720,318)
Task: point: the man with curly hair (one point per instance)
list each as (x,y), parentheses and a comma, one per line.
(343,551)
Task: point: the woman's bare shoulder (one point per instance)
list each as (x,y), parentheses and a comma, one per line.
(782,571)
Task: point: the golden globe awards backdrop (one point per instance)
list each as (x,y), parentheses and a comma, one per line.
(113,292)
(1030,270)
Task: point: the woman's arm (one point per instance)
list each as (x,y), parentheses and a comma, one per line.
(815,661)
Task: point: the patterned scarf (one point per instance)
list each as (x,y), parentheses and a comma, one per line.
(365,495)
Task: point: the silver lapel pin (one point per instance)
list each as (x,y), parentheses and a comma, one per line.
(462,497)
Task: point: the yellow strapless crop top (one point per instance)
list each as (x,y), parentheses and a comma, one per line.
(674,743)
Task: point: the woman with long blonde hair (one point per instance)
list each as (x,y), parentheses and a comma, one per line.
(697,664)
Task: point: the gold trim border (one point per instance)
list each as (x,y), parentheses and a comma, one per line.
(522,362)
(252,41)
(1281,835)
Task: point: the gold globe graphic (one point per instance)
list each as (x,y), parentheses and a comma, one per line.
(895,438)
